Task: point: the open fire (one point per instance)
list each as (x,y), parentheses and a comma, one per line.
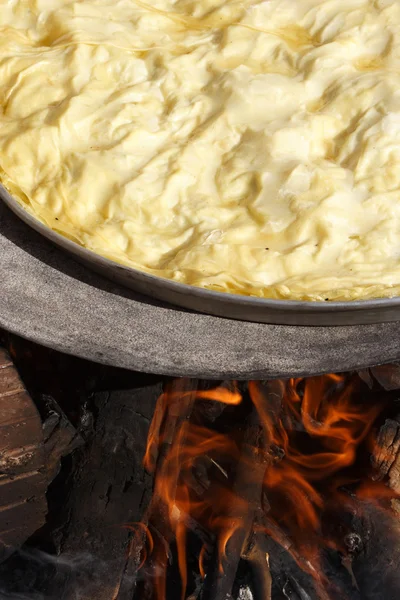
(249,476)
(280,489)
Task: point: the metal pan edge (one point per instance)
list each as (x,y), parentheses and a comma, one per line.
(221,304)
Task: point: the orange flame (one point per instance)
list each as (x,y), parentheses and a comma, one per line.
(171,401)
(221,394)
(326,410)
(176,489)
(323,410)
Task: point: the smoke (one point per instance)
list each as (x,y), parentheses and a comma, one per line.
(31,574)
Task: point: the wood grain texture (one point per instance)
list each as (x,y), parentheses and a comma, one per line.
(23,483)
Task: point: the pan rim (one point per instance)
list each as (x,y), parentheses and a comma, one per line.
(182,289)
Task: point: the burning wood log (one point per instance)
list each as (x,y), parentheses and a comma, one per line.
(258,557)
(177,446)
(173,407)
(172,410)
(248,489)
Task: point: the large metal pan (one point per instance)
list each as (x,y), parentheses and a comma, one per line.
(233,306)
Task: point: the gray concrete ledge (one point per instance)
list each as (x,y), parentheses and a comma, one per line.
(47,297)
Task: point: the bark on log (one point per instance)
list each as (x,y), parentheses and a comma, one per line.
(60,437)
(23,482)
(386,455)
(388,376)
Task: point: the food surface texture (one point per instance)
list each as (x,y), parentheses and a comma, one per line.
(246,146)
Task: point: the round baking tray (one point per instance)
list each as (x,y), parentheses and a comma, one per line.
(233,306)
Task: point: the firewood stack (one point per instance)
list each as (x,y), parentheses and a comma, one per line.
(34,437)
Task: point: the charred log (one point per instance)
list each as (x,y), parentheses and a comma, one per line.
(257,557)
(247,485)
(386,454)
(110,490)
(60,437)
(91,547)
(375,564)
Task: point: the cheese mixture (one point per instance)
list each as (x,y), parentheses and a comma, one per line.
(243,146)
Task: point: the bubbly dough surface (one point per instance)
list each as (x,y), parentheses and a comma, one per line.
(244,146)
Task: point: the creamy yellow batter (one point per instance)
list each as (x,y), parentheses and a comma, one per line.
(244,146)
